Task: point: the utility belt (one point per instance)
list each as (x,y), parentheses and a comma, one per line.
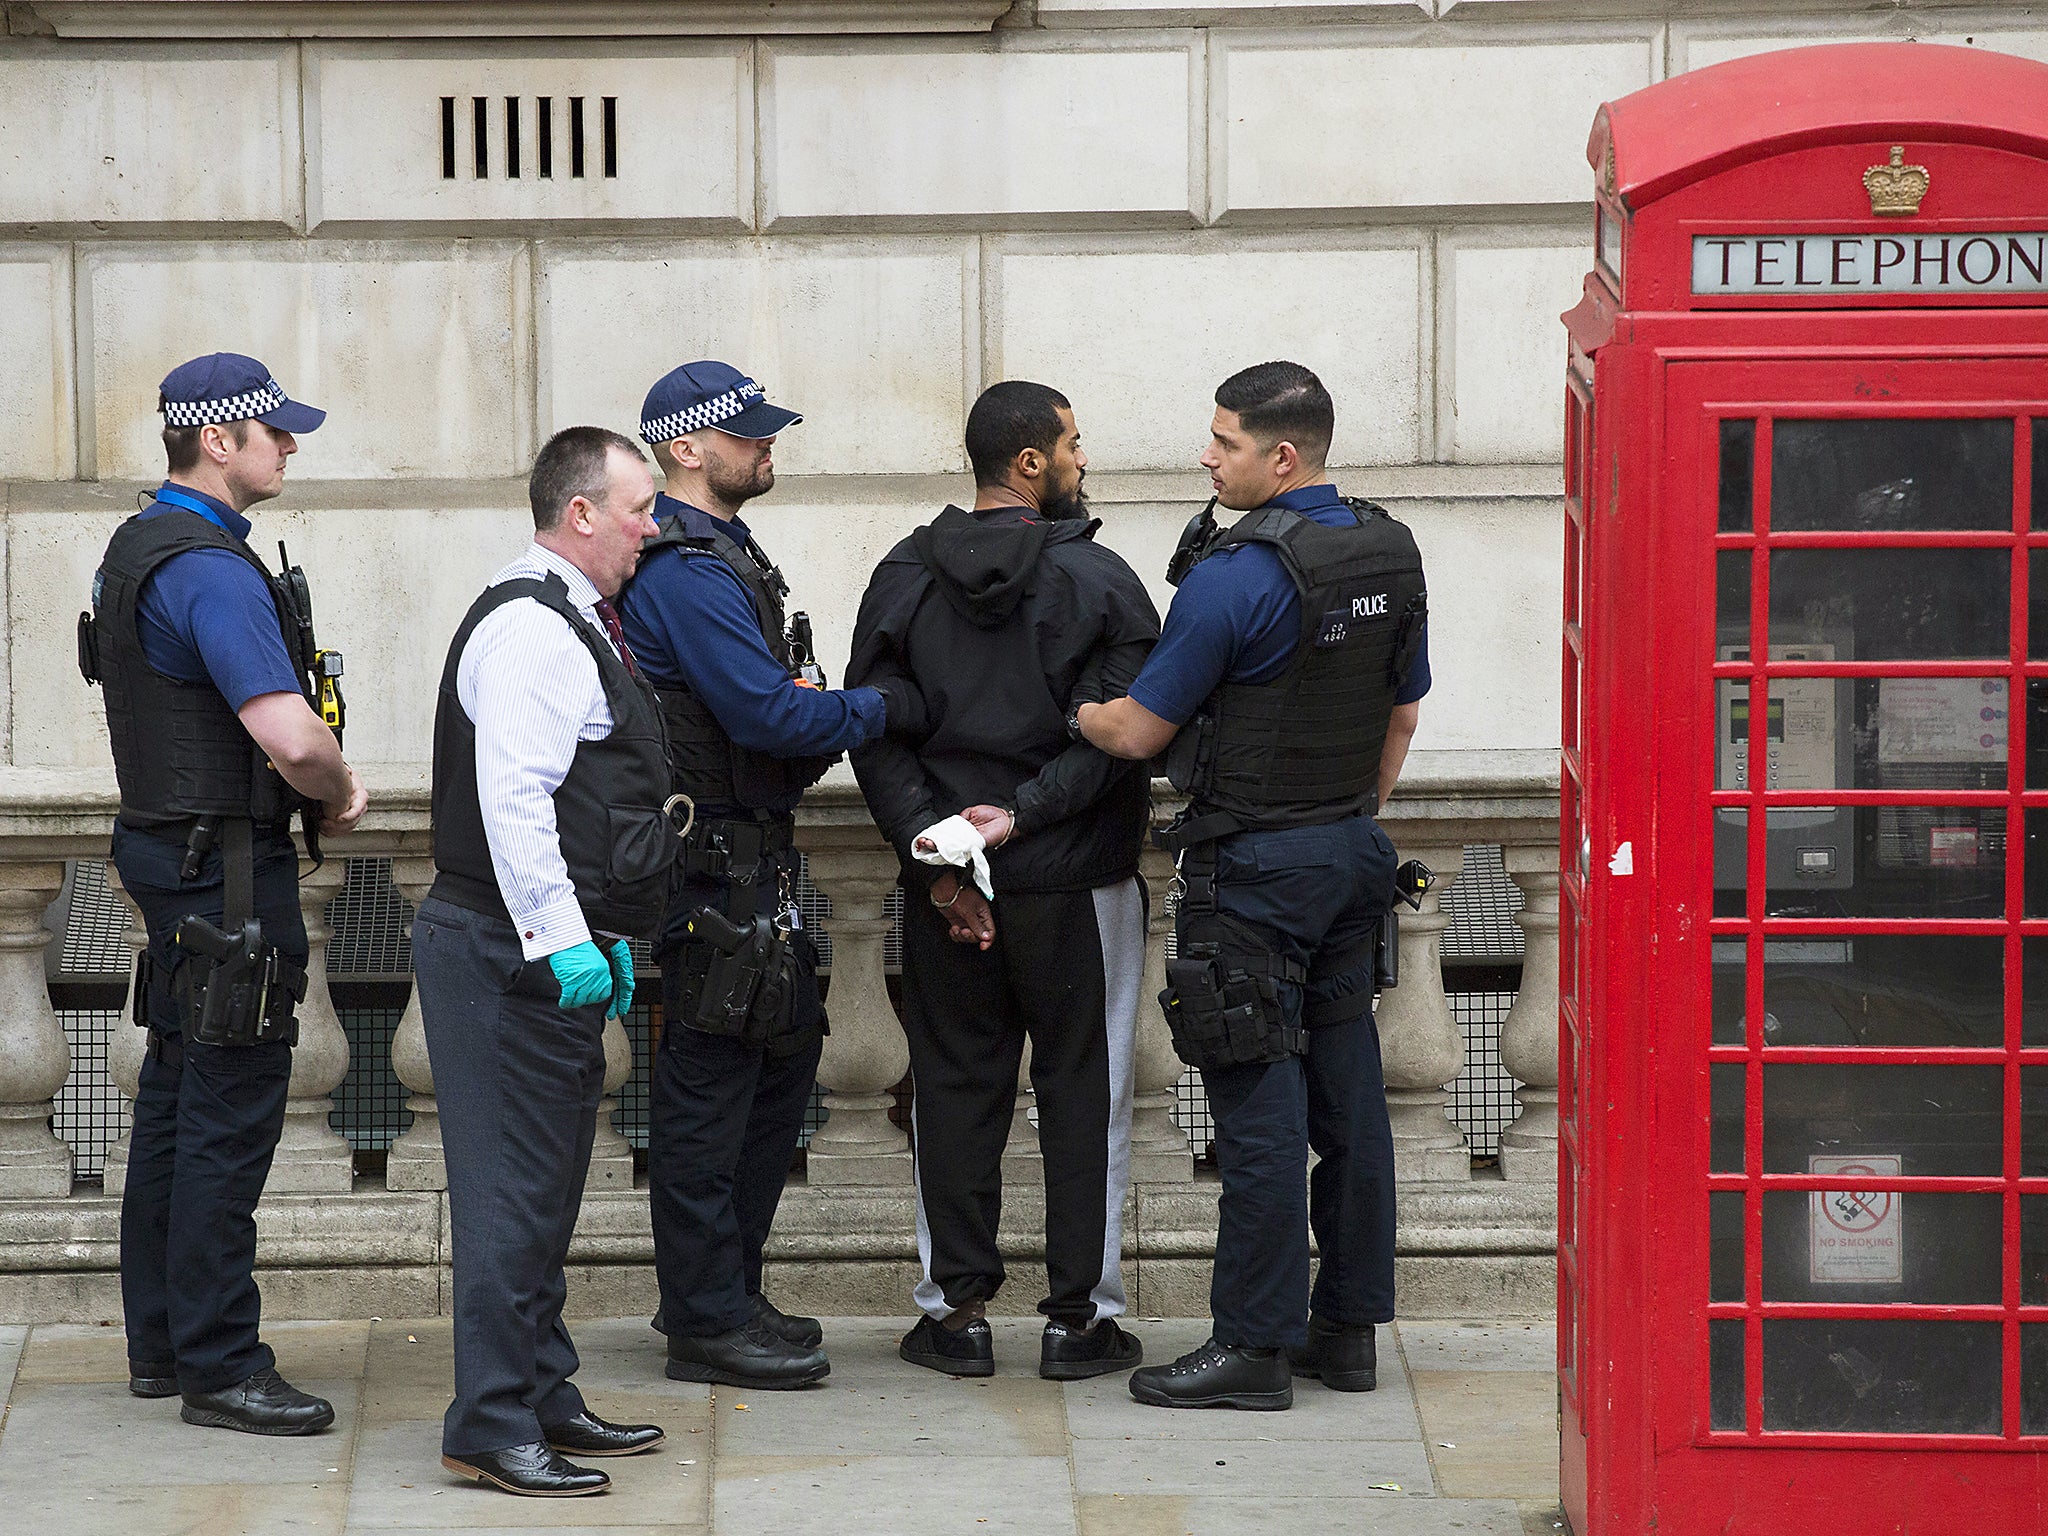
(743,968)
(1223,999)
(236,988)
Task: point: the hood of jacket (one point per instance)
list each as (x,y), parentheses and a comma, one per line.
(984,563)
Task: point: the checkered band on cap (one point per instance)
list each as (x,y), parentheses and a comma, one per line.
(705,413)
(203,413)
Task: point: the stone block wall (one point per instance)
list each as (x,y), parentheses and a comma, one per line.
(1128,199)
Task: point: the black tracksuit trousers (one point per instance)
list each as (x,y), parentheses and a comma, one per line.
(1064,970)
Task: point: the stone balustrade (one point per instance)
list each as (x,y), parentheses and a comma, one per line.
(332,1242)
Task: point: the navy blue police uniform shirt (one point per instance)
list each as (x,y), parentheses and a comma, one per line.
(1237,619)
(207,616)
(689,621)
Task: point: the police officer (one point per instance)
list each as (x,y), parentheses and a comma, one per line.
(1285,690)
(551,850)
(750,727)
(208,667)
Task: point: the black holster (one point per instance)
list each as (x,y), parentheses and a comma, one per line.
(1223,1000)
(742,981)
(236,987)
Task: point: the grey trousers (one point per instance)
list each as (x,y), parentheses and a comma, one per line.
(517,1078)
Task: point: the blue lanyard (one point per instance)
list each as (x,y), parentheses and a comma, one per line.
(178,498)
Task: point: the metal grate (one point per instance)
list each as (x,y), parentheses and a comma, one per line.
(1483,1096)
(372,925)
(1481,904)
(95,927)
(369,1106)
(91,1113)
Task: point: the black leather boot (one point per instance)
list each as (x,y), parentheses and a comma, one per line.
(1344,1358)
(752,1356)
(1074,1354)
(153,1378)
(1218,1376)
(966,1351)
(804,1332)
(264,1404)
(532,1471)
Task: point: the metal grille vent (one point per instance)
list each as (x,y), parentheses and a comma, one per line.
(542,136)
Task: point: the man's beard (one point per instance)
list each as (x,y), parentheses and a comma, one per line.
(734,486)
(1070,505)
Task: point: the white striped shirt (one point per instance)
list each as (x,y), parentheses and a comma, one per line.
(533,692)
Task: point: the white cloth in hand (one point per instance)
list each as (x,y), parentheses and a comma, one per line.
(955,841)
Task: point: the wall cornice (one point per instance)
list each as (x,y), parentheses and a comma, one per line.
(493,18)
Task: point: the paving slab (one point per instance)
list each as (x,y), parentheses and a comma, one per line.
(1210,1515)
(904,1495)
(1249,1467)
(63,1434)
(1491,1434)
(12,1340)
(216,1509)
(991,1416)
(1479,1346)
(83,1352)
(400,1484)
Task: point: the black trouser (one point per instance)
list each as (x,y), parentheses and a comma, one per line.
(1064,970)
(723,1124)
(517,1078)
(1316,894)
(204,1133)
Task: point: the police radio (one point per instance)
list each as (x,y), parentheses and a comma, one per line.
(322,667)
(1196,540)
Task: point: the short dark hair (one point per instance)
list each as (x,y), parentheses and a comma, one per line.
(574,463)
(1282,402)
(181,444)
(1008,418)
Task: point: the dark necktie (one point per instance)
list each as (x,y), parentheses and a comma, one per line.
(610,616)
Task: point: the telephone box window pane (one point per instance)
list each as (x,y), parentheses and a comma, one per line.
(1892,604)
(2040,450)
(2034,1379)
(2036,869)
(1904,990)
(1724,1220)
(1726,1126)
(2034,990)
(1731,602)
(1724,1355)
(2033,1122)
(1738,469)
(1731,990)
(1931,1121)
(1880,1377)
(1873,476)
(2033,1250)
(2037,590)
(1875,1246)
(1867,861)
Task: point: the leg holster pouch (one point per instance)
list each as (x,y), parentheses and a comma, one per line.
(1223,1000)
(237,989)
(741,975)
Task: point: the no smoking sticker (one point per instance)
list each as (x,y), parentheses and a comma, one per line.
(1855,1234)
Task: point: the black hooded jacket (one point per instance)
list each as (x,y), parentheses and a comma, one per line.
(995,617)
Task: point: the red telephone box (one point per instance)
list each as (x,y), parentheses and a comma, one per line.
(1803,1223)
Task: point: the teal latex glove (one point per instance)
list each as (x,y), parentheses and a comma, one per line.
(621,955)
(584,973)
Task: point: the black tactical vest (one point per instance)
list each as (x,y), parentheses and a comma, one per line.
(615,838)
(706,764)
(179,750)
(1305,747)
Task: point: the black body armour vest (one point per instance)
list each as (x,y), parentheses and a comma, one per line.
(705,763)
(1305,747)
(179,751)
(615,837)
